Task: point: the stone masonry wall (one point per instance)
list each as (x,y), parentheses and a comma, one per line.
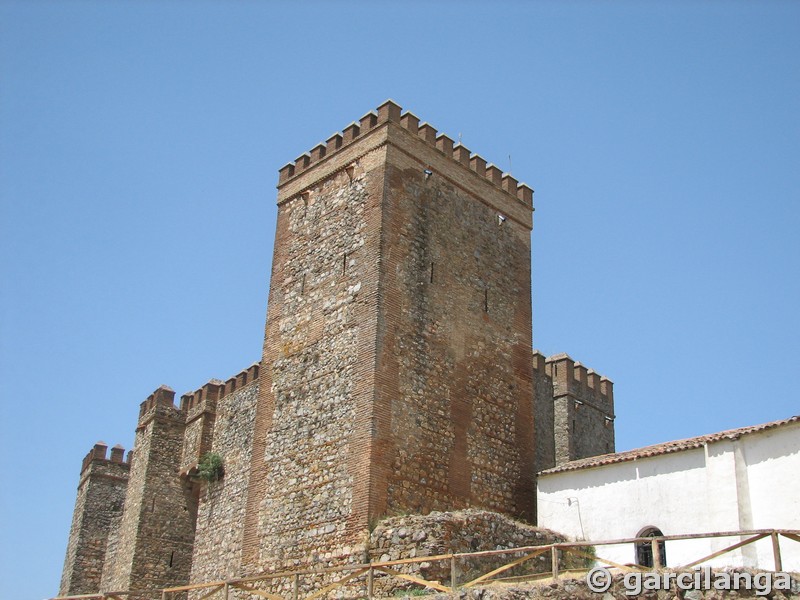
(98,507)
(154,545)
(397,374)
(381,390)
(455,347)
(220,519)
(438,533)
(317,359)
(583,410)
(543,406)
(200,410)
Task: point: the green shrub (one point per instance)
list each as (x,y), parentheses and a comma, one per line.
(210,467)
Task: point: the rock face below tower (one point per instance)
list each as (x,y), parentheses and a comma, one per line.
(465,531)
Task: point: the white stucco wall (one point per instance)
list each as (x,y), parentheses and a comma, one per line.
(749,483)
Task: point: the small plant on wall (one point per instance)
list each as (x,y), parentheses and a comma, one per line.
(210,467)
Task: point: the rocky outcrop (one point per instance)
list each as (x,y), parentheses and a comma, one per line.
(439,533)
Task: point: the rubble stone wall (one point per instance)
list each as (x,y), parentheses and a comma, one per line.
(156,532)
(98,507)
(313,413)
(220,517)
(582,411)
(455,346)
(544,411)
(397,374)
(457,532)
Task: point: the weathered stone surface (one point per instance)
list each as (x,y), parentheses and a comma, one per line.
(156,531)
(397,357)
(220,517)
(466,531)
(98,509)
(397,376)
(574,411)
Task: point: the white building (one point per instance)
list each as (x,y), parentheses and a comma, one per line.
(742,479)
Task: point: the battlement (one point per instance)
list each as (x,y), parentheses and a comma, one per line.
(391,112)
(242,378)
(164,396)
(575,408)
(98,453)
(209,394)
(199,408)
(570,376)
(202,399)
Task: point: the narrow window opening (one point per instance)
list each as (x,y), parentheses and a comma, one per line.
(153,505)
(573,425)
(344,263)
(486,300)
(303,285)
(171,557)
(431,272)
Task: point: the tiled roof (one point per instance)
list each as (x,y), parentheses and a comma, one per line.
(667,447)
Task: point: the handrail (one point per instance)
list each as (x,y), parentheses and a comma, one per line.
(369,569)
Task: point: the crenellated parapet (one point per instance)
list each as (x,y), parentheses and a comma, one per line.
(388,113)
(573,378)
(160,401)
(98,455)
(241,379)
(205,398)
(575,410)
(202,400)
(199,409)
(98,507)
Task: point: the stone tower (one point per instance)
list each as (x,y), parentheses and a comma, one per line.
(153,544)
(397,365)
(574,411)
(397,376)
(98,508)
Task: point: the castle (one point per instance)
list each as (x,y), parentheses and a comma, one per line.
(397,376)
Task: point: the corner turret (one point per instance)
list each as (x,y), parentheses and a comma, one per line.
(574,410)
(98,508)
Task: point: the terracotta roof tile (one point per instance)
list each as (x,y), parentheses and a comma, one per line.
(667,447)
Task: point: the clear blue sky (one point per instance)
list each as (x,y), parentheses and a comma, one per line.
(139,148)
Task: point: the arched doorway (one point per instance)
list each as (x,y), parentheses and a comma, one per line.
(644,550)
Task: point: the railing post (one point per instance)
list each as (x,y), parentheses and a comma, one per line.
(453,580)
(656,554)
(369,583)
(776,551)
(554,560)
(295,586)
